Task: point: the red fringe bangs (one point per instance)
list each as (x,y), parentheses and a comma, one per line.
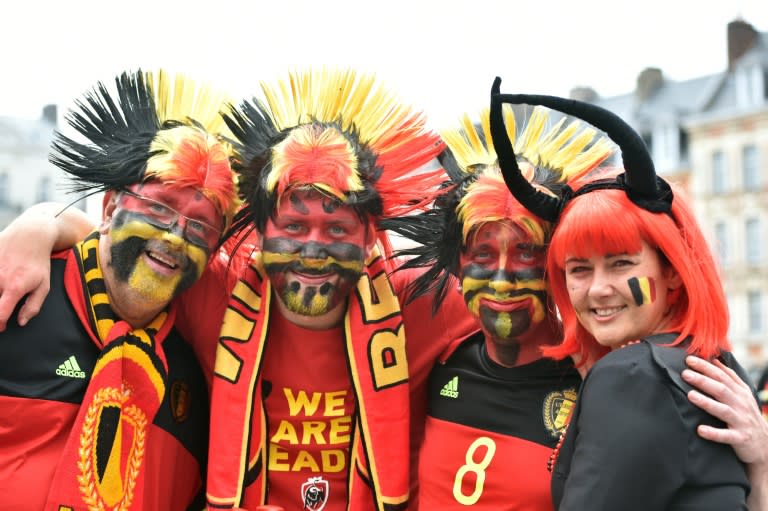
(596,223)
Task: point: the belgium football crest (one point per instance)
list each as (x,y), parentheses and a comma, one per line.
(314,494)
(111,449)
(557,409)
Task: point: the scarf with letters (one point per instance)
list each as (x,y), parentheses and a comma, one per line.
(102,466)
(374,339)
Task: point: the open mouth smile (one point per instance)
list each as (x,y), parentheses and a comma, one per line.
(606,312)
(163,262)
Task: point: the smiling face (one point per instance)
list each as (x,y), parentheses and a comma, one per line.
(314,251)
(620,298)
(502,279)
(146,260)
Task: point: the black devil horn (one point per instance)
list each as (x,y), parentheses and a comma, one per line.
(639,179)
(542,205)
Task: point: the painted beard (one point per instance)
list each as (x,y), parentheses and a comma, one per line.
(525,306)
(307,299)
(128,267)
(282,260)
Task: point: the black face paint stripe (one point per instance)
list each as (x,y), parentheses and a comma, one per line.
(330,205)
(124,216)
(637,293)
(338,250)
(478,272)
(297,204)
(309,294)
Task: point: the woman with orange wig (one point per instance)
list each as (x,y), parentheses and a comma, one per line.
(637,290)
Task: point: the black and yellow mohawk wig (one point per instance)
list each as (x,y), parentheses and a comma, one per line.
(156,128)
(340,133)
(550,153)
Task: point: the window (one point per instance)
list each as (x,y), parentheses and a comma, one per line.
(752,236)
(749,85)
(721,240)
(754,309)
(718,172)
(750,167)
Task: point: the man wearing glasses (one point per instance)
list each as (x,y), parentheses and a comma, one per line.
(104,405)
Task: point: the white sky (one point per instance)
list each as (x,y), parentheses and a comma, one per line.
(440,55)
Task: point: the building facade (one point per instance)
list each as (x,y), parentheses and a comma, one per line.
(26,175)
(711,134)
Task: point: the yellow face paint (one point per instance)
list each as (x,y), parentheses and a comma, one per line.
(132,239)
(315,306)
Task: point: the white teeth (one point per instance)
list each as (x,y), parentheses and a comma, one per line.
(168,261)
(607,312)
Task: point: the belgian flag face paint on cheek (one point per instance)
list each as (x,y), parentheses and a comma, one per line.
(643,290)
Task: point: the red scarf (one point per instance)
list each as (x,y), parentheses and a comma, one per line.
(102,466)
(375,347)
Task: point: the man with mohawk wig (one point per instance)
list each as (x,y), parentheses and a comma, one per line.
(496,407)
(310,403)
(104,403)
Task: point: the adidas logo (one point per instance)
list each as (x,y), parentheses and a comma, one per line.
(70,368)
(451,389)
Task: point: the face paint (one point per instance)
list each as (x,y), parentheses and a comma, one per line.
(313,252)
(643,289)
(502,277)
(153,260)
(193,216)
(156,264)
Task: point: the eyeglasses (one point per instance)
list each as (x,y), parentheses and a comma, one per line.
(195,231)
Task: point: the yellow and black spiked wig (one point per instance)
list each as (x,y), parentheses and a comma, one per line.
(156,128)
(550,152)
(340,133)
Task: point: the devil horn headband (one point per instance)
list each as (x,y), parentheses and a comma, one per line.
(639,180)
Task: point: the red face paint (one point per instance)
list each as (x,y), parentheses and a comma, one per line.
(314,251)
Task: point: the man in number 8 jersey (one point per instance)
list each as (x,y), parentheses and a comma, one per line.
(496,407)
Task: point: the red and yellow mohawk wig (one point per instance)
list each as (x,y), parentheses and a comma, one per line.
(157,128)
(340,133)
(551,154)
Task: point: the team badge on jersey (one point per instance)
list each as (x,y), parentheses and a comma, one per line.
(314,494)
(557,410)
